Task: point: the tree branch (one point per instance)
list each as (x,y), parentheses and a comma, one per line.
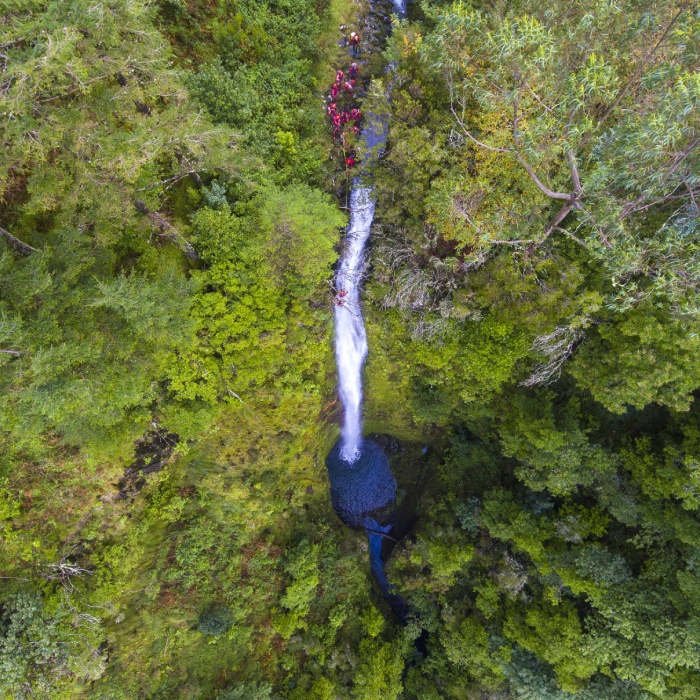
(560,216)
(667,198)
(18,245)
(476,141)
(540,184)
(513,242)
(167,230)
(172,180)
(574,171)
(571,235)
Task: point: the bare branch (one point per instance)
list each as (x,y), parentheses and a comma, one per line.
(475,140)
(560,216)
(513,242)
(556,347)
(171,180)
(574,172)
(692,196)
(540,184)
(536,96)
(572,236)
(18,245)
(680,157)
(667,198)
(167,230)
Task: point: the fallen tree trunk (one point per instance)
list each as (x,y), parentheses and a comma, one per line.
(18,245)
(167,230)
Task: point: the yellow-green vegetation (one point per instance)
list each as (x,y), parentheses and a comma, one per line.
(168,225)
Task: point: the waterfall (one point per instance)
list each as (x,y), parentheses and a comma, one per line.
(350,335)
(400,7)
(362,487)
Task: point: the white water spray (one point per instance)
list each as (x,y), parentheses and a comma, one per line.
(350,335)
(400,7)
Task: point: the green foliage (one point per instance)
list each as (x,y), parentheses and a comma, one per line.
(215,621)
(554,634)
(525,91)
(642,358)
(468,646)
(42,651)
(537,334)
(260,78)
(246,691)
(379,673)
(298,596)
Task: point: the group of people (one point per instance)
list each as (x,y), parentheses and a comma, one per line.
(340,116)
(343,85)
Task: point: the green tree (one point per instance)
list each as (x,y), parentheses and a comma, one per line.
(547,92)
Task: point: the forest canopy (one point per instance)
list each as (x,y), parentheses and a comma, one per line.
(172,206)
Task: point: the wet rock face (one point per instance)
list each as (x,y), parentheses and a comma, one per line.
(389,444)
(365,488)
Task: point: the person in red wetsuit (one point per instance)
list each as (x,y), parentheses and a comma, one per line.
(348,87)
(349,162)
(353,71)
(334,91)
(339,75)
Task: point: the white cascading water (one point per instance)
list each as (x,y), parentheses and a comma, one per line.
(350,335)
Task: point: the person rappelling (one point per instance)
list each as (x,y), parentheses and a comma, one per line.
(355,44)
(340,297)
(350,162)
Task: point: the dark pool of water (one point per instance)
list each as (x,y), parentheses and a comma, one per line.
(364,490)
